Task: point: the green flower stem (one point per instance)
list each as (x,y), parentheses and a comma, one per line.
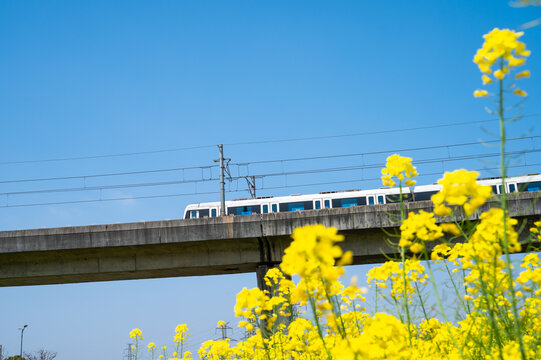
(503,199)
(467,310)
(440,305)
(376,301)
(421,300)
(318,326)
(403,259)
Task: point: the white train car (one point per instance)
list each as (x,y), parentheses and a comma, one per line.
(346,198)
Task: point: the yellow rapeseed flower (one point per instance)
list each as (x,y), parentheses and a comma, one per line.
(399,167)
(501,47)
(460,188)
(136,334)
(519,92)
(480,93)
(523,74)
(181,333)
(499,74)
(312,250)
(486,79)
(501,44)
(450,228)
(421,226)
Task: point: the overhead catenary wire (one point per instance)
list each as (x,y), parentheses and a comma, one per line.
(89,157)
(230,191)
(89,176)
(264,175)
(149,152)
(420,148)
(380,165)
(207,167)
(376,132)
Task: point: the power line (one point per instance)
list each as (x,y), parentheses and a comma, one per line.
(382,151)
(231,191)
(282,173)
(372,132)
(376,178)
(88,176)
(210,167)
(104,156)
(379,165)
(137,153)
(112,199)
(109,187)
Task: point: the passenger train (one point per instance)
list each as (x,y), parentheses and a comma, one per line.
(346,198)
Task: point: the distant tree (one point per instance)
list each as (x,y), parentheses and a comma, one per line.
(41,354)
(15,357)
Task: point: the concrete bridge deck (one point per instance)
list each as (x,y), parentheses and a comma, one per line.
(192,247)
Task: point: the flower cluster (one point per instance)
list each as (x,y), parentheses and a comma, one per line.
(459,188)
(501,47)
(341,326)
(535,230)
(314,251)
(421,226)
(136,334)
(399,167)
(498,310)
(493,237)
(180,338)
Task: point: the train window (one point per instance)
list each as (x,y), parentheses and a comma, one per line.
(295,206)
(534,186)
(265,208)
(394,198)
(425,195)
(500,189)
(349,202)
(370,200)
(327,204)
(512,188)
(380,199)
(194,214)
(244,210)
(213,212)
(317,205)
(494,189)
(274,207)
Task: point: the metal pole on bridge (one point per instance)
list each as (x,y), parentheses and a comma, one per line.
(222,181)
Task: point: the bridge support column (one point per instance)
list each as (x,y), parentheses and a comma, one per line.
(260,273)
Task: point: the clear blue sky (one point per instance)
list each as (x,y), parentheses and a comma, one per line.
(83,79)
